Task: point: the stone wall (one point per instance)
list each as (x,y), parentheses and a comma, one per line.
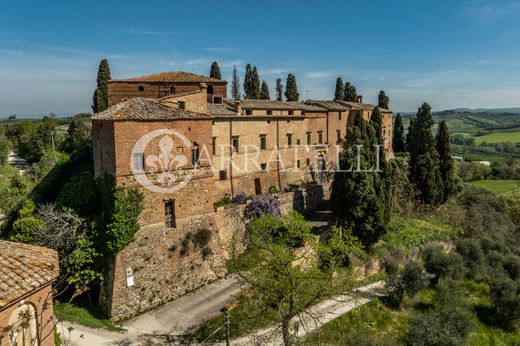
(166,263)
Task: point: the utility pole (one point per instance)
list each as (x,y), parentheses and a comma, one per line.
(53,146)
(226,309)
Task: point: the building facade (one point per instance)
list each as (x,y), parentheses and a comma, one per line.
(26,312)
(212,147)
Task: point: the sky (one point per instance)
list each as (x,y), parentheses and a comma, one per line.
(448,53)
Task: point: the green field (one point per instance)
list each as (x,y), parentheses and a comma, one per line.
(497,186)
(496,137)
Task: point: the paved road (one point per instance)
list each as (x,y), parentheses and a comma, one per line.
(184,314)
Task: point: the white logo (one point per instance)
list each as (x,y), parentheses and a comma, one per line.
(166,174)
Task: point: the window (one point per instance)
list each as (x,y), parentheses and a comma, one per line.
(234,144)
(298,142)
(182,104)
(269,112)
(140,88)
(291,112)
(214,146)
(210,89)
(138,161)
(222,174)
(249,112)
(338,134)
(263,167)
(308,162)
(263,142)
(288,121)
(309,137)
(195,155)
(289,139)
(320,137)
(298,164)
(339,115)
(169,215)
(172,90)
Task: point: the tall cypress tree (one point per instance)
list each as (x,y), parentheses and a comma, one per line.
(100,98)
(377,120)
(248,82)
(235,84)
(350,92)
(291,89)
(409,134)
(340,89)
(424,158)
(279,89)
(215,71)
(264,92)
(255,93)
(398,139)
(446,163)
(383,100)
(360,199)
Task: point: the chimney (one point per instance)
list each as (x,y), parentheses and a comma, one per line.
(359,99)
(237,106)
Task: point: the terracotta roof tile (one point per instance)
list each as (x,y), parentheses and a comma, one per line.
(147,110)
(266,104)
(221,109)
(172,77)
(24,268)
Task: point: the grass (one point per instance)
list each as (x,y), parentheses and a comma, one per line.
(497,186)
(405,232)
(79,315)
(377,322)
(496,137)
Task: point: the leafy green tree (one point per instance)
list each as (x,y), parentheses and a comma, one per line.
(424,158)
(79,135)
(26,224)
(359,195)
(383,100)
(282,281)
(215,71)
(264,93)
(255,84)
(340,89)
(446,163)
(235,84)
(350,93)
(398,139)
(291,89)
(100,99)
(279,89)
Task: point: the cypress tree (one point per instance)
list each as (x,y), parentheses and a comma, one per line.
(291,89)
(424,158)
(360,199)
(409,133)
(235,84)
(248,82)
(350,92)
(398,139)
(377,121)
(340,89)
(264,92)
(383,100)
(100,98)
(279,89)
(215,71)
(255,93)
(446,163)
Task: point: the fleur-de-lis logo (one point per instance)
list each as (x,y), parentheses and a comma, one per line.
(164,165)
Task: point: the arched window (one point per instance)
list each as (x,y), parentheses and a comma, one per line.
(140,88)
(22,323)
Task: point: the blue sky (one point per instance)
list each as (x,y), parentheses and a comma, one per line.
(448,53)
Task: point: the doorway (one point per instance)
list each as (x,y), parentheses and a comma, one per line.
(258,186)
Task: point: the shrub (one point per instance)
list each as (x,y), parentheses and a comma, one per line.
(413,279)
(441,264)
(202,237)
(512,266)
(222,202)
(390,265)
(262,205)
(239,198)
(505,295)
(273,189)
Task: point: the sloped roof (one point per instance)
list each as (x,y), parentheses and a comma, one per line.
(221,109)
(266,104)
(24,268)
(306,107)
(331,105)
(361,106)
(172,77)
(146,109)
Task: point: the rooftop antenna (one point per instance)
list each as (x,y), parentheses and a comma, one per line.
(307,93)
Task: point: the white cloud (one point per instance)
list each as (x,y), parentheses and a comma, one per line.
(319,74)
(489,10)
(152,33)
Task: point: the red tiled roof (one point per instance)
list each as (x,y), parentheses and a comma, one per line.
(24,268)
(172,77)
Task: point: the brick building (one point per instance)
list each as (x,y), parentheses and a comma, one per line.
(26,275)
(229,147)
